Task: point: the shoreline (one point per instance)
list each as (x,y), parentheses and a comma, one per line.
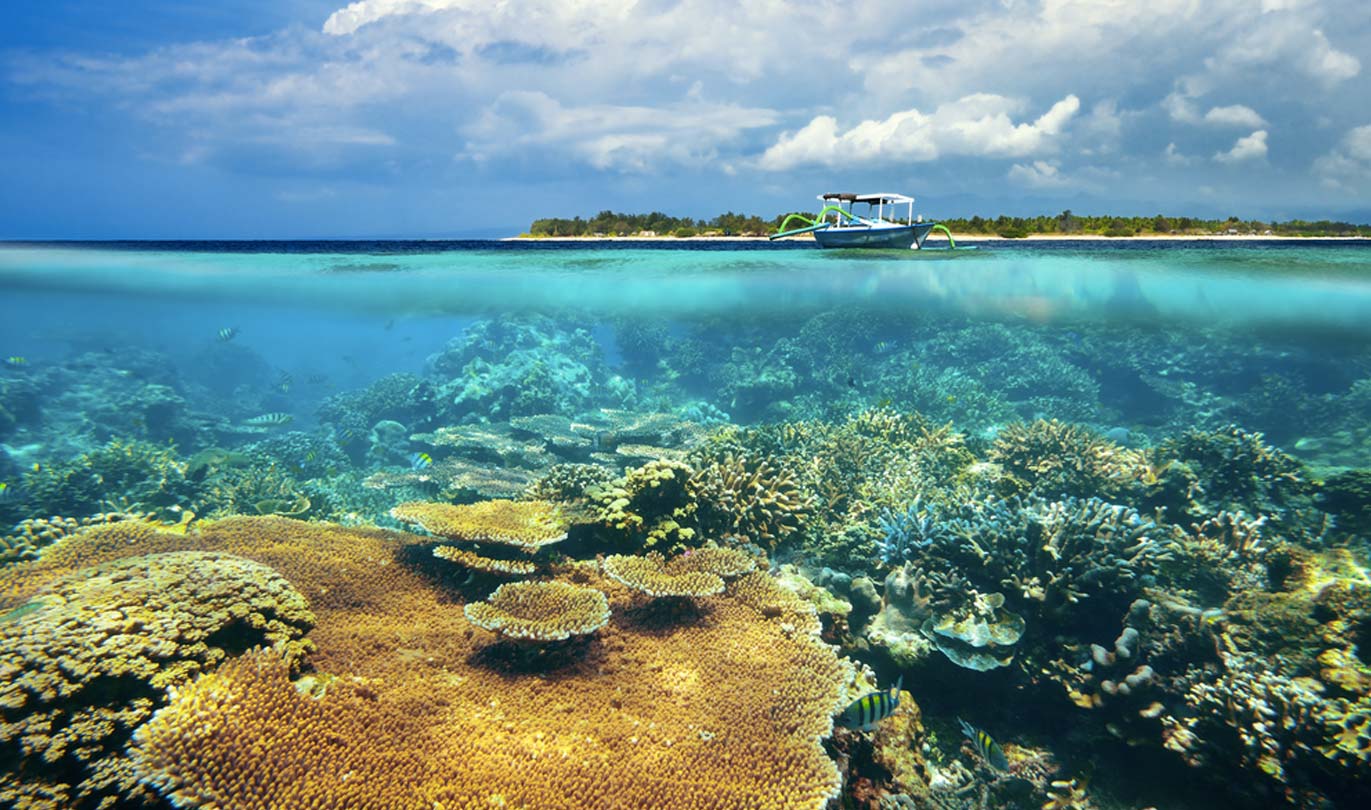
(977,237)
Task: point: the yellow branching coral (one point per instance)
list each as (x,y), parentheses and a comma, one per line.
(474,561)
(87,660)
(653,575)
(540,611)
(750,498)
(1056,458)
(527,524)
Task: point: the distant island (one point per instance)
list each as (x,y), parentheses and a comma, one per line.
(608,224)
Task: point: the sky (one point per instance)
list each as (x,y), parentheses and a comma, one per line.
(471,118)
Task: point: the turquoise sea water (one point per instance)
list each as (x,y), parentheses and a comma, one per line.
(1189,386)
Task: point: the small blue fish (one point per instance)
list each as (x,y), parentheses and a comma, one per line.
(986,746)
(421,461)
(228,333)
(867,711)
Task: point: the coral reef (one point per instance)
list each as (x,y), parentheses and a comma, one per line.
(540,611)
(421,712)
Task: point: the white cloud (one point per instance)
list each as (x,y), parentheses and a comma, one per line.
(1173,156)
(978,125)
(1235,115)
(1249,147)
(609,137)
(1038,174)
(1348,166)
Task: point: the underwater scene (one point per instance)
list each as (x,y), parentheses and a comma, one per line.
(710,525)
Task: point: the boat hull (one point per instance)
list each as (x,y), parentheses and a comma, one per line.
(893,236)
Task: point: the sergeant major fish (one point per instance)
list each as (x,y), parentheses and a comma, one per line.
(270,420)
(420,461)
(227,333)
(986,746)
(867,711)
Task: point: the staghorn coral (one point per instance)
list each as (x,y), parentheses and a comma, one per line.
(540,611)
(653,575)
(751,499)
(1058,459)
(524,524)
(490,565)
(85,660)
(415,715)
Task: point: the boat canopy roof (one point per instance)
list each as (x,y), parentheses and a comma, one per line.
(873,199)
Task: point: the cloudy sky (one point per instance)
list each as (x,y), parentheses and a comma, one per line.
(431,118)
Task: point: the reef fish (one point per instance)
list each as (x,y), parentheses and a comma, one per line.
(986,746)
(16,361)
(270,420)
(6,491)
(864,713)
(228,333)
(421,461)
(284,382)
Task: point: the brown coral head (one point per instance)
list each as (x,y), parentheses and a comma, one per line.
(654,576)
(540,611)
(526,524)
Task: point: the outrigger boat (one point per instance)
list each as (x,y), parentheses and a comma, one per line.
(838,226)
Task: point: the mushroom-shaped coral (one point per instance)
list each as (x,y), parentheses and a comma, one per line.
(540,611)
(527,524)
(490,565)
(722,561)
(653,575)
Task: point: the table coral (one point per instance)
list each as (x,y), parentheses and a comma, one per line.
(525,524)
(653,575)
(490,565)
(86,660)
(540,611)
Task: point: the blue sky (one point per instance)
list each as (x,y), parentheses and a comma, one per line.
(435,118)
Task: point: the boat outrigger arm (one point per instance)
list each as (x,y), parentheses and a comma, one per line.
(836,225)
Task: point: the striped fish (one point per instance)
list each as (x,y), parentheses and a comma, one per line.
(270,420)
(228,333)
(864,713)
(16,361)
(420,461)
(986,746)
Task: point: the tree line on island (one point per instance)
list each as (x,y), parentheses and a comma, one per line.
(611,223)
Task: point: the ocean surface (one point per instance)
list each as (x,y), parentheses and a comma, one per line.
(1107,502)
